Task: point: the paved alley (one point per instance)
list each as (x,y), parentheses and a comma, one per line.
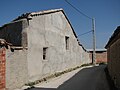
(93,78)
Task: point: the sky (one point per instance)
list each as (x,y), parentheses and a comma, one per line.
(105,12)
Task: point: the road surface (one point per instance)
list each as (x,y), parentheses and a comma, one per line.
(93,78)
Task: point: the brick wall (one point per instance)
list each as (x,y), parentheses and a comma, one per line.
(2,68)
(113,55)
(101,56)
(114,62)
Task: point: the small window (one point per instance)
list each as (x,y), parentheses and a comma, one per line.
(44,52)
(67,42)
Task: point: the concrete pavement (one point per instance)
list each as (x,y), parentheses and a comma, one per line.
(88,79)
(93,78)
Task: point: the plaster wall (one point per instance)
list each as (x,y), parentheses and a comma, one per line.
(16,69)
(49,31)
(16,62)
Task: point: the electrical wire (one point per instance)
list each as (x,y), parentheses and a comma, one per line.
(78,10)
(80,13)
(85,33)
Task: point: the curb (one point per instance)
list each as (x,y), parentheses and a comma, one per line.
(56,74)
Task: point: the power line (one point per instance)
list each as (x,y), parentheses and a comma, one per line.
(77,10)
(85,33)
(93,26)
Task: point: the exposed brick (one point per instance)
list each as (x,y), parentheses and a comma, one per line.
(2,68)
(101,56)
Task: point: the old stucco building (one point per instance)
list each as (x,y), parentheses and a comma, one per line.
(113,51)
(44,43)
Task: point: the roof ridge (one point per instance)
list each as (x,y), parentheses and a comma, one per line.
(44,11)
(26,15)
(115,34)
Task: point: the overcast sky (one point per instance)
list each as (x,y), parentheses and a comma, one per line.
(105,12)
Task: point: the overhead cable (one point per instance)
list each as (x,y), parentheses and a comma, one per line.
(85,33)
(77,10)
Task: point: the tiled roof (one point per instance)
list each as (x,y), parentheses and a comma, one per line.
(3,43)
(32,14)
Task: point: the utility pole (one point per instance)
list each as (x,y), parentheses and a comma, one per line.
(94,41)
(93,30)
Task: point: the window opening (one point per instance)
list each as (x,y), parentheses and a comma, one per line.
(44,52)
(67,42)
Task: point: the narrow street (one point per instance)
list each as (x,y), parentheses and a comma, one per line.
(93,78)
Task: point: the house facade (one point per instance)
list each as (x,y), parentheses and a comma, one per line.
(43,43)
(101,55)
(113,54)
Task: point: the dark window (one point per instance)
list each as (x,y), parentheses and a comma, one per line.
(44,52)
(67,42)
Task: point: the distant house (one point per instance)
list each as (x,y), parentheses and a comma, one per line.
(101,55)
(44,43)
(113,51)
